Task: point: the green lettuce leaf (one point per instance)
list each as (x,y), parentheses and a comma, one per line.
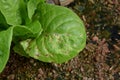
(63,35)
(10,10)
(5,43)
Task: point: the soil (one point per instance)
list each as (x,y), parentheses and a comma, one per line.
(100,59)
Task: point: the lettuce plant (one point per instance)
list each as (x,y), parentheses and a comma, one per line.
(45,32)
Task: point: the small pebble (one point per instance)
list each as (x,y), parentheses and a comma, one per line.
(95,38)
(31,61)
(11,77)
(40,71)
(35,64)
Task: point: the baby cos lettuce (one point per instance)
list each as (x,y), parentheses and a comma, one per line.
(39,30)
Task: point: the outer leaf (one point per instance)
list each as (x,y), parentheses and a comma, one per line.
(5,42)
(63,35)
(10,10)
